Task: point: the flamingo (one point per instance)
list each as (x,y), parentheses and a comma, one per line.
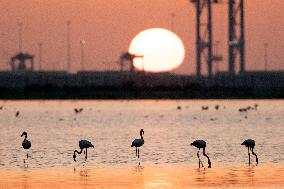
(138,143)
(26,143)
(83,144)
(249,143)
(201,144)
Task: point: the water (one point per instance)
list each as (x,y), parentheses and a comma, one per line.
(54,130)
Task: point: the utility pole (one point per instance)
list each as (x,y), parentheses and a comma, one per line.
(173,16)
(20,30)
(82,42)
(68,23)
(40,56)
(265,56)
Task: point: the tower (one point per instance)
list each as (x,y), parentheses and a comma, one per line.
(236,36)
(204,35)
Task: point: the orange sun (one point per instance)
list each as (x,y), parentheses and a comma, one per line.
(161,49)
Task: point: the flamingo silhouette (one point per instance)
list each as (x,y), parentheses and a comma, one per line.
(83,144)
(249,143)
(201,144)
(26,143)
(137,143)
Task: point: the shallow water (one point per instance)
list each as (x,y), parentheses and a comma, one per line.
(149,177)
(54,130)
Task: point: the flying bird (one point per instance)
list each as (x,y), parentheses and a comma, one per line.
(201,144)
(137,143)
(26,143)
(249,143)
(83,144)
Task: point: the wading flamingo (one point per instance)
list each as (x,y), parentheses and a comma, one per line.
(137,143)
(26,143)
(249,143)
(83,144)
(201,144)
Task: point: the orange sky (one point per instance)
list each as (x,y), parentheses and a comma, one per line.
(108,27)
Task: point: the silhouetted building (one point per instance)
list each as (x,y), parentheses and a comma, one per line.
(19,62)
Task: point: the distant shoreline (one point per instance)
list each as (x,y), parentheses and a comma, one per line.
(134,93)
(132,85)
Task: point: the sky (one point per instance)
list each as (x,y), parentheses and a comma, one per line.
(109,26)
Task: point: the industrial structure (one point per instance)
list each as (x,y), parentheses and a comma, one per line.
(128,57)
(24,83)
(204,36)
(236,36)
(18,62)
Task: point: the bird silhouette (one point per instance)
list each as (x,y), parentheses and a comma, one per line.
(137,143)
(17,114)
(217,107)
(76,110)
(83,144)
(249,143)
(204,107)
(201,144)
(26,143)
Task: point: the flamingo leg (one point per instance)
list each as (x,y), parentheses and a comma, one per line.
(138,153)
(26,165)
(86,155)
(256,159)
(209,162)
(249,155)
(199,160)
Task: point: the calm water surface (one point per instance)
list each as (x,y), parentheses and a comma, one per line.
(54,130)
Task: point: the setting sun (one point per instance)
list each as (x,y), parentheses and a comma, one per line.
(161,49)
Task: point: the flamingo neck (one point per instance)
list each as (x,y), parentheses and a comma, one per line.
(209,162)
(76,151)
(141,136)
(254,155)
(25,137)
